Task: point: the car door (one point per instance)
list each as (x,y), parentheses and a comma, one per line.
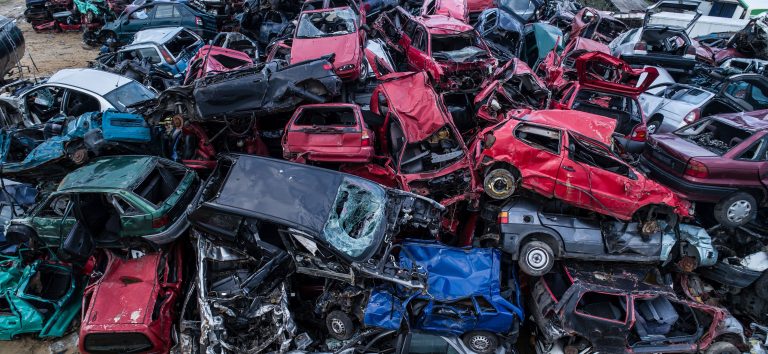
(602,318)
(133,220)
(416,53)
(166,15)
(539,156)
(456,317)
(54,219)
(572,184)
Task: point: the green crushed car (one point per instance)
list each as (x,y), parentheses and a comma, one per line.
(115,201)
(43,297)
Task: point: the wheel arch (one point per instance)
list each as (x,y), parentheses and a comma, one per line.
(550,238)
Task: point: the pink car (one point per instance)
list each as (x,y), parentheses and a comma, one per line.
(211,59)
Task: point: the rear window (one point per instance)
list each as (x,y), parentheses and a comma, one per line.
(160,184)
(327,116)
(692,96)
(714,135)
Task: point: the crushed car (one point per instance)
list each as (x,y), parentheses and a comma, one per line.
(211,60)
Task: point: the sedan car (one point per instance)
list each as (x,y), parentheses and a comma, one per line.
(131,200)
(566,155)
(720,160)
(72,92)
(132,306)
(155,15)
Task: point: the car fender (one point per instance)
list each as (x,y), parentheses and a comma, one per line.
(512,242)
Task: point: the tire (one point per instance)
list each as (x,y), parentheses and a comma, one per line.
(736,210)
(722,348)
(536,258)
(653,126)
(761,286)
(481,342)
(500,184)
(339,325)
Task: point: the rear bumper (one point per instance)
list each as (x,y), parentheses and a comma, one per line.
(688,190)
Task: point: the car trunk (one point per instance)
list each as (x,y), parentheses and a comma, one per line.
(672,153)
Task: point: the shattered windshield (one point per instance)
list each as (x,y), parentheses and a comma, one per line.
(330,23)
(522,8)
(459,47)
(128,94)
(714,135)
(357,217)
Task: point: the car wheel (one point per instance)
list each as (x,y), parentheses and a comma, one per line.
(736,210)
(653,126)
(536,258)
(481,342)
(761,286)
(500,184)
(722,348)
(339,325)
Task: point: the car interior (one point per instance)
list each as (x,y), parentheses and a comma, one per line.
(659,319)
(606,306)
(665,40)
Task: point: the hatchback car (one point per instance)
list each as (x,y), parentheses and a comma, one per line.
(168,48)
(131,200)
(566,155)
(155,15)
(720,160)
(334,132)
(72,92)
(132,306)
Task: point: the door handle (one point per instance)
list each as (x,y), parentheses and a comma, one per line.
(569,168)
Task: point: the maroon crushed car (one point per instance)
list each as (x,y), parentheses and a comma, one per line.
(720,160)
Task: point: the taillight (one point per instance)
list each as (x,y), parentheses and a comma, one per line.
(167,56)
(366,139)
(198,21)
(692,116)
(503,217)
(696,169)
(640,46)
(640,133)
(327,66)
(160,222)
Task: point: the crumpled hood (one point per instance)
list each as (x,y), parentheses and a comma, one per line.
(346,47)
(415,102)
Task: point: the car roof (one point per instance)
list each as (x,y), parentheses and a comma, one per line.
(753,121)
(96,81)
(590,125)
(442,24)
(113,173)
(156,35)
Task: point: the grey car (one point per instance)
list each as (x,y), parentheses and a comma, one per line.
(537,234)
(670,106)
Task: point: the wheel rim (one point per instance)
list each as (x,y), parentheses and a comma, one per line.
(337,326)
(500,185)
(739,210)
(479,343)
(537,259)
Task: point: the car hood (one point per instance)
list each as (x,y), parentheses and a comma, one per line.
(415,103)
(678,146)
(346,47)
(601,71)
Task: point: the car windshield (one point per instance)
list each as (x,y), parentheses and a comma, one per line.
(459,47)
(522,8)
(329,23)
(692,96)
(128,94)
(357,217)
(714,135)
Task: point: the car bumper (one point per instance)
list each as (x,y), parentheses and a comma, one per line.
(688,190)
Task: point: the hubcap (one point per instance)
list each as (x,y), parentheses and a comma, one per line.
(337,326)
(479,343)
(537,258)
(739,210)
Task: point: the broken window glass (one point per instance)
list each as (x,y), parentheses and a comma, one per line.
(356,218)
(714,135)
(591,153)
(461,47)
(330,23)
(539,137)
(327,116)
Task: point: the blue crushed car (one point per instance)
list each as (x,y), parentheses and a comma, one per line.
(464,297)
(53,149)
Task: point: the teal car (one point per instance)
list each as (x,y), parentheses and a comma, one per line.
(43,297)
(156,15)
(117,201)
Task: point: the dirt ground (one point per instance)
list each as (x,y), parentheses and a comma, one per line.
(49,52)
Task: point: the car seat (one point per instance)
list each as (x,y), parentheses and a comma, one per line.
(654,318)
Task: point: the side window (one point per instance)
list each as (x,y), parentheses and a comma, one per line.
(758,96)
(150,54)
(628,36)
(45,102)
(166,11)
(410,28)
(124,207)
(607,307)
(756,152)
(56,207)
(143,13)
(539,137)
(79,103)
(587,153)
(420,41)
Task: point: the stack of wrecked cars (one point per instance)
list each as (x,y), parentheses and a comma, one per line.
(342,176)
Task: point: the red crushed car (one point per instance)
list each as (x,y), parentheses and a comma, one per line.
(331,31)
(566,155)
(607,86)
(131,308)
(450,51)
(556,70)
(452,8)
(596,25)
(212,59)
(720,160)
(512,86)
(333,132)
(422,150)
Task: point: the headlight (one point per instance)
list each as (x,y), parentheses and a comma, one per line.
(347,67)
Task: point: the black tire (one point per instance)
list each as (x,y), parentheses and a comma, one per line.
(736,210)
(653,126)
(481,342)
(761,286)
(722,348)
(339,325)
(500,183)
(536,258)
